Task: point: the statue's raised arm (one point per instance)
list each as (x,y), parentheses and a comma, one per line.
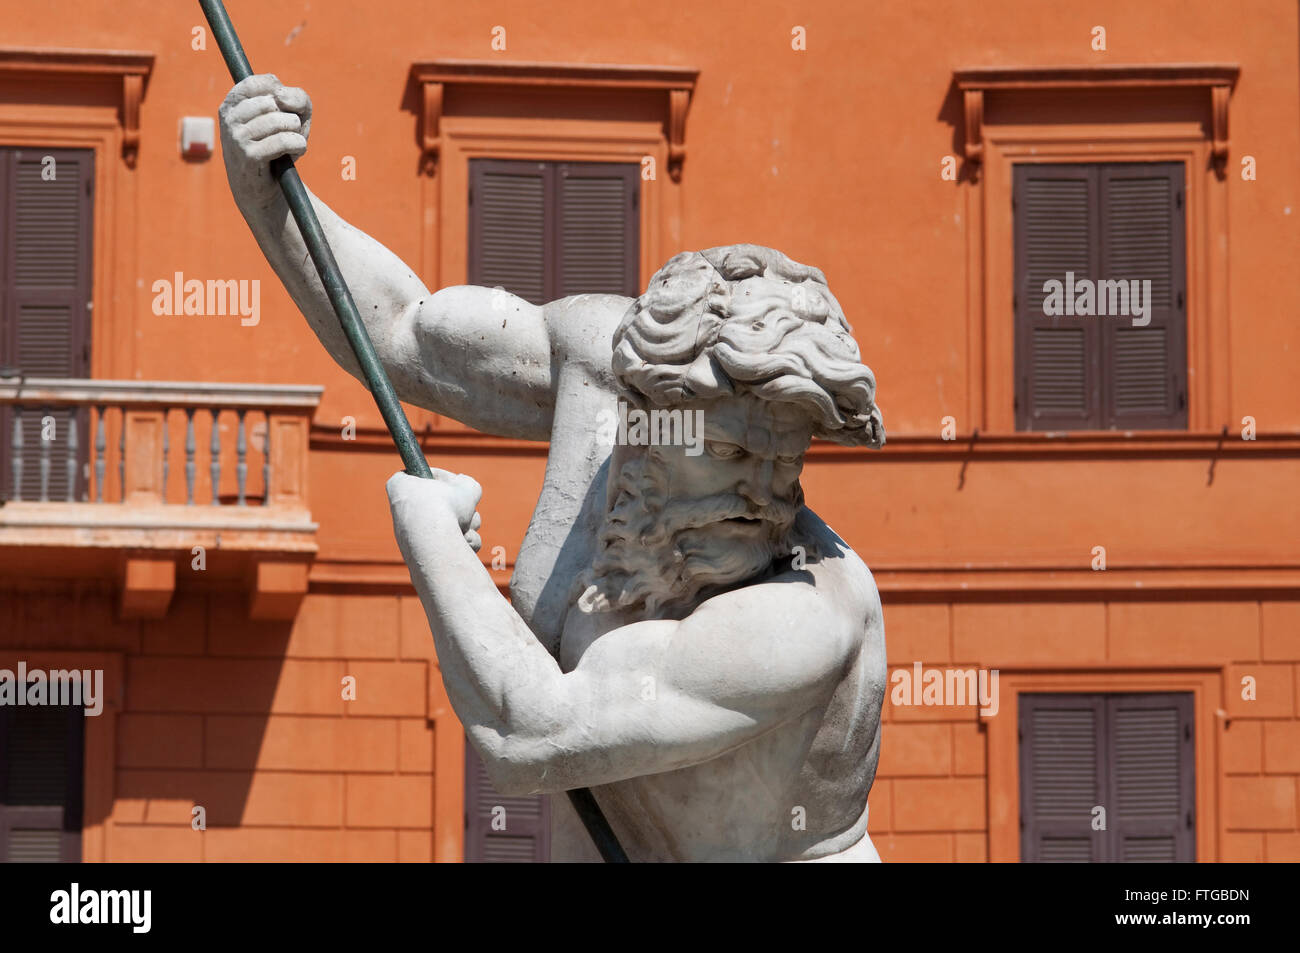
(479,355)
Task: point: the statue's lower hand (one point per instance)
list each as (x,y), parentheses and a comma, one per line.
(410,497)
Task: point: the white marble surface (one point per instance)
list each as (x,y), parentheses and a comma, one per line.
(685,636)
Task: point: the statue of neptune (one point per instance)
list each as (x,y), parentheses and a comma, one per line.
(685,636)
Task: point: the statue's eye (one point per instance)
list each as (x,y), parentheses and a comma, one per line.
(723,450)
(789,459)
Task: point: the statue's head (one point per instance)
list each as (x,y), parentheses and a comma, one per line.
(753,346)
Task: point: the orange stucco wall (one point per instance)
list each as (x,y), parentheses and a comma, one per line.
(984,551)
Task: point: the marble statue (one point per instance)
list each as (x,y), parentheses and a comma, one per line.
(684,636)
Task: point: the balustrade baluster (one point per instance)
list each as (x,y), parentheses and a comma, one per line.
(46,447)
(16,452)
(190,468)
(214,451)
(167,443)
(121,452)
(101,450)
(241,456)
(266,463)
(70,463)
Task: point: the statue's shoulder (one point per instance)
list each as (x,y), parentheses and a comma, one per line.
(581,327)
(833,561)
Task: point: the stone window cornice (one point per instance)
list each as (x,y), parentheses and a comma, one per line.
(127,71)
(676,83)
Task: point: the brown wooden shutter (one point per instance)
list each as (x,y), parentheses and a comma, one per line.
(1061,777)
(41,757)
(1131,754)
(1102,222)
(1152,812)
(598,229)
(508,227)
(545,230)
(525,837)
(1058,374)
(1143,237)
(45,268)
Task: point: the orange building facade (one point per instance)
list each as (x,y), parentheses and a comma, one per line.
(266,660)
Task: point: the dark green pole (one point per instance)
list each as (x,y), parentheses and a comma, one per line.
(295,193)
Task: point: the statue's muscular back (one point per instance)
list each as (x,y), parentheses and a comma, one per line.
(781,796)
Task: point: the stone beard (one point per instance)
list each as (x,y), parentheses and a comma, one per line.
(661,552)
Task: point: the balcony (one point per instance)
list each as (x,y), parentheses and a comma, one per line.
(147,481)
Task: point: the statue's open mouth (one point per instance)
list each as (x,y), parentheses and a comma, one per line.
(748,520)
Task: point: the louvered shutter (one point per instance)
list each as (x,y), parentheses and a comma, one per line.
(1058,374)
(45,226)
(546,230)
(1103,222)
(508,227)
(1152,813)
(41,755)
(499,829)
(543,230)
(1131,754)
(598,228)
(1061,777)
(1142,238)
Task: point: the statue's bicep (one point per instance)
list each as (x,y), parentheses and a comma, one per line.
(485,360)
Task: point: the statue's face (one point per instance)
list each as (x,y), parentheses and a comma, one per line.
(682,520)
(753,450)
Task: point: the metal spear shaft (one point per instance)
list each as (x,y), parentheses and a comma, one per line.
(399,428)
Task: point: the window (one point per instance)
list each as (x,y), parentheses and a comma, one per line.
(45,256)
(1130,755)
(41,754)
(546,230)
(499,829)
(542,230)
(1108,350)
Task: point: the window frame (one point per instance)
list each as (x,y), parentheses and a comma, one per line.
(1013,134)
(99,758)
(1206,685)
(1106,844)
(560,126)
(81,314)
(69,818)
(101,115)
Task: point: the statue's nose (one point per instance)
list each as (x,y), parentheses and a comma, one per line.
(758,488)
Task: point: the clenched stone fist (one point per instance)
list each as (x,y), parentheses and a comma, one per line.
(261,119)
(418,505)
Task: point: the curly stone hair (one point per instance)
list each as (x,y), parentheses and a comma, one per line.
(745,317)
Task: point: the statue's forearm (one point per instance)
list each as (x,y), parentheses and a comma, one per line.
(381,285)
(504,686)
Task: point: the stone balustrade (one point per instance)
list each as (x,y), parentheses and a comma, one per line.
(153,486)
(149,442)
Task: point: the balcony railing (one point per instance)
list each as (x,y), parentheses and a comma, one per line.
(149,442)
(158,485)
